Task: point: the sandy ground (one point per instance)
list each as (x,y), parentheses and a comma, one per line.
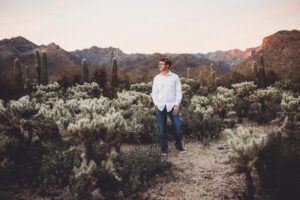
(201,174)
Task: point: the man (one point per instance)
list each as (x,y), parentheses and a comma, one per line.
(166,95)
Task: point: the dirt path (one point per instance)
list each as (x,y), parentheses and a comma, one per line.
(199,174)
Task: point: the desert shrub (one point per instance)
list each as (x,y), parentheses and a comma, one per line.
(264,104)
(199,119)
(24,136)
(139,166)
(287,84)
(290,105)
(278,167)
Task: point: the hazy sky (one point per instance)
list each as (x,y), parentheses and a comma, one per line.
(148,26)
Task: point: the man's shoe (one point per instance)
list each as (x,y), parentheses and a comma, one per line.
(181,150)
(164,152)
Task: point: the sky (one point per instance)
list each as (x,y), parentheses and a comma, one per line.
(148,26)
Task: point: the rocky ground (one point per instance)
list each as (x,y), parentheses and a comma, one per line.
(200,174)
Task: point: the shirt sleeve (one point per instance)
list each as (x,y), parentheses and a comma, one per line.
(154,92)
(178,92)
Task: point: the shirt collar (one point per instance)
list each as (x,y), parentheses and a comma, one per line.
(168,74)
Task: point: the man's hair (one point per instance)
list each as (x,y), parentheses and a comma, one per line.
(167,61)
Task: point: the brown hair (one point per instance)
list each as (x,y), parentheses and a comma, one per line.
(167,61)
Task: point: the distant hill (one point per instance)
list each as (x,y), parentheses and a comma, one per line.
(279,50)
(227,59)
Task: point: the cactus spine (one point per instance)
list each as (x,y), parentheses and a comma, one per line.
(44,69)
(38,65)
(84,71)
(17,73)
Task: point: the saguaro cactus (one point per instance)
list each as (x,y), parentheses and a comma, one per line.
(254,68)
(84,71)
(38,65)
(44,69)
(212,74)
(114,76)
(188,73)
(291,70)
(201,78)
(26,78)
(261,72)
(18,73)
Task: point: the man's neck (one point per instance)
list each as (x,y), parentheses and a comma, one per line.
(165,72)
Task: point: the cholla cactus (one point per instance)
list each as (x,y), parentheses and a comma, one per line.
(223,101)
(200,105)
(244,148)
(290,106)
(185,88)
(244,89)
(109,164)
(83,91)
(142,87)
(188,81)
(84,71)
(127,98)
(266,95)
(23,107)
(47,94)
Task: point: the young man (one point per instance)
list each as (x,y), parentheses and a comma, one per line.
(166,95)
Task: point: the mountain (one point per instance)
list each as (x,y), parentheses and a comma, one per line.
(279,50)
(15,47)
(59,60)
(227,59)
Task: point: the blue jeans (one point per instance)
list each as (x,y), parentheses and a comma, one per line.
(162,126)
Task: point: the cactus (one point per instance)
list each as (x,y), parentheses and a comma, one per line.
(261,72)
(44,69)
(114,76)
(17,73)
(84,71)
(291,71)
(254,68)
(212,74)
(243,155)
(38,65)
(201,78)
(188,73)
(27,81)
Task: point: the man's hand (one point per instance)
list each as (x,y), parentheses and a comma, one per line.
(175,110)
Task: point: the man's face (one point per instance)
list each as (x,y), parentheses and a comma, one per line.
(162,66)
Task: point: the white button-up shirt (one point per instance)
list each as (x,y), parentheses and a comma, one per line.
(166,91)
